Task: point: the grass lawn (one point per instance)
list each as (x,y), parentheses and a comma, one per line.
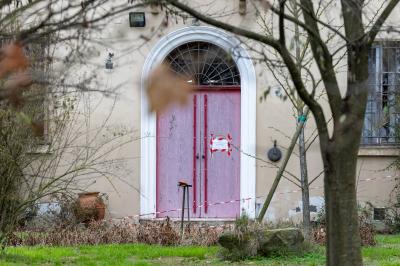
(387,252)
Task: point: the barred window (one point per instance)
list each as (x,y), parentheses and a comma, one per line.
(383,105)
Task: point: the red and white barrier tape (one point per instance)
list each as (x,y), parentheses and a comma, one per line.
(250,198)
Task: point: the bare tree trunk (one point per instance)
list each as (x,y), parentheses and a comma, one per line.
(304,184)
(340,164)
(302,149)
(343,241)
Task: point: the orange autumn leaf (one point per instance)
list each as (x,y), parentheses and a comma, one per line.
(165,88)
(12,58)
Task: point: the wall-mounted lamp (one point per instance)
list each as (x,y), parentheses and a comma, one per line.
(274,154)
(137,19)
(109,62)
(242,7)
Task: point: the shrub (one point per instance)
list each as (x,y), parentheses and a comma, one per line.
(158,233)
(163,232)
(367,232)
(393,212)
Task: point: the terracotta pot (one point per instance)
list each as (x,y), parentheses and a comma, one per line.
(90,207)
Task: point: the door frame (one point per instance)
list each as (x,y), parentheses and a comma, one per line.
(148,164)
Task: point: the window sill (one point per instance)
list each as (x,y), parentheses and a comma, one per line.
(379,151)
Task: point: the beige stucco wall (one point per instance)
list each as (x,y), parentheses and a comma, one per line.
(274,116)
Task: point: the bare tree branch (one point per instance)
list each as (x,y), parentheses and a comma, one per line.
(228,27)
(323,59)
(380,21)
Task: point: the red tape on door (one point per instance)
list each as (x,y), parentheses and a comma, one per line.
(221,143)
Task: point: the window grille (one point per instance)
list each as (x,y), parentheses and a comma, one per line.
(382,110)
(204,64)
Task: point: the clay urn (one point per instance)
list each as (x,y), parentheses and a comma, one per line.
(90,207)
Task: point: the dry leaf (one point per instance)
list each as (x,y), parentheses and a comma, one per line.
(15,86)
(21,79)
(13,59)
(165,88)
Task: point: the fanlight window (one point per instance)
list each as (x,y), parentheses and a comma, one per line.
(204,64)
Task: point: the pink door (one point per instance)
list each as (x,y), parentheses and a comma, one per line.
(183,153)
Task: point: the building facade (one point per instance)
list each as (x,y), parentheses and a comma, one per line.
(218,142)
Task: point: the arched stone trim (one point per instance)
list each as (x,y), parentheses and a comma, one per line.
(248,114)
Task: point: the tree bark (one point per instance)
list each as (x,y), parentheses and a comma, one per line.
(343,236)
(340,162)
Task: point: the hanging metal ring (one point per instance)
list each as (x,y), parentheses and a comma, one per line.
(274,154)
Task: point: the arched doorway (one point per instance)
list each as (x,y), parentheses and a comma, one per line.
(248,100)
(184,135)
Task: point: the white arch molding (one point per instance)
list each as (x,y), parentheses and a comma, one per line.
(248,114)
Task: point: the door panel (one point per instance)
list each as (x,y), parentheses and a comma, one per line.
(183,153)
(175,160)
(221,174)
